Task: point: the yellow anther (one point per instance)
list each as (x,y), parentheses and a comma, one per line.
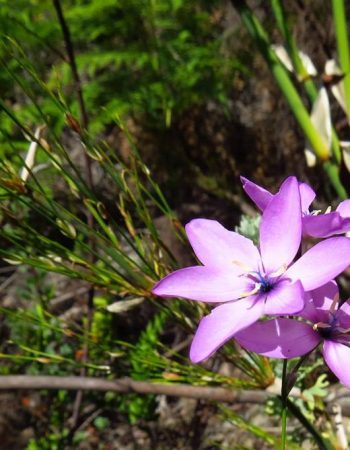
(242,265)
(279,272)
(320,325)
(252,292)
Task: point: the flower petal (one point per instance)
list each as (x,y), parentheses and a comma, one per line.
(216,246)
(279,338)
(285,298)
(222,324)
(336,356)
(344,208)
(323,296)
(323,262)
(322,225)
(319,301)
(204,284)
(280,229)
(260,196)
(307,196)
(343,315)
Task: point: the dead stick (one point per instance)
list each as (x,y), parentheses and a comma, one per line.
(126,385)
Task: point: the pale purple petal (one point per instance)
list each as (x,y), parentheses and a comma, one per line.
(279,338)
(323,296)
(222,324)
(319,301)
(204,284)
(343,315)
(216,246)
(344,208)
(322,225)
(337,357)
(260,196)
(285,298)
(280,229)
(323,262)
(307,196)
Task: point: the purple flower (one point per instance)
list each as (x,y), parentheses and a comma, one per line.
(251,282)
(313,224)
(288,338)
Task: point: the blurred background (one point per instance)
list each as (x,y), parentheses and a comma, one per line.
(184,84)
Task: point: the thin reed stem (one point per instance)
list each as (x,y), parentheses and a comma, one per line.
(284,397)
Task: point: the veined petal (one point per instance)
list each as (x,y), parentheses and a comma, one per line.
(323,262)
(216,246)
(222,324)
(307,196)
(322,225)
(279,338)
(260,196)
(285,298)
(280,229)
(336,356)
(204,284)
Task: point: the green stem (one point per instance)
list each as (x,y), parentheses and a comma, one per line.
(322,445)
(332,171)
(302,74)
(292,48)
(282,78)
(284,397)
(340,27)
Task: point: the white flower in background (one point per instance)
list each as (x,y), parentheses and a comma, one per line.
(321,119)
(332,69)
(320,113)
(283,56)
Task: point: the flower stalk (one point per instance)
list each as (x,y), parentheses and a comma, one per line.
(340,27)
(284,398)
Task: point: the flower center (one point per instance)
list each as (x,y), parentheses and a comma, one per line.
(324,330)
(332,328)
(265,286)
(263,283)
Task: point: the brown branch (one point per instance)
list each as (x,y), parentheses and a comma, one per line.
(126,385)
(77,81)
(72,63)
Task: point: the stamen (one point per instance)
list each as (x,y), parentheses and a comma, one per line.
(318,325)
(242,265)
(252,292)
(279,272)
(334,304)
(343,330)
